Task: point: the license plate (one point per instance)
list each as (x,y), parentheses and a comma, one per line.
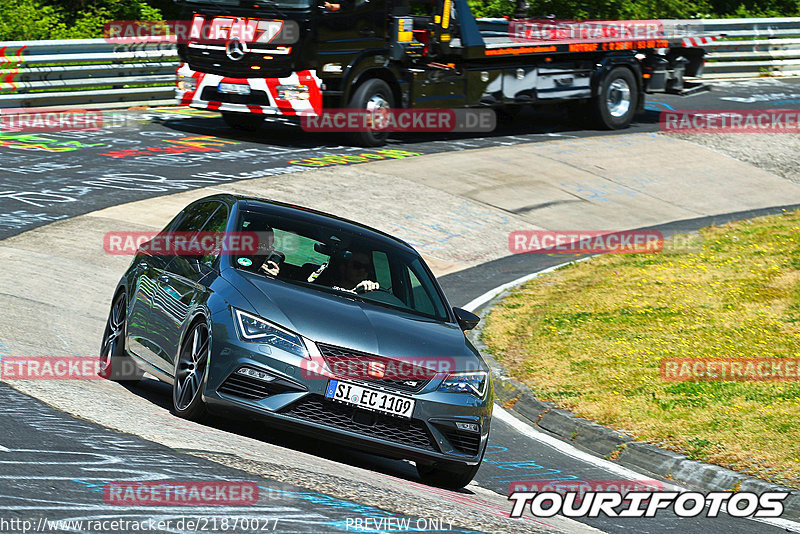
(370,399)
(234,88)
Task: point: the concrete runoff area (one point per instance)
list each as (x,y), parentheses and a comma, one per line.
(57,280)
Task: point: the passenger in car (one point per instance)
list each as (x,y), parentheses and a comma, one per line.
(267,260)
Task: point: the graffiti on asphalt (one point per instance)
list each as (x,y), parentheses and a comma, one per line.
(22,218)
(520,469)
(41,143)
(41,168)
(199,143)
(347,159)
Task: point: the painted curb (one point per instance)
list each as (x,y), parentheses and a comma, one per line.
(614,445)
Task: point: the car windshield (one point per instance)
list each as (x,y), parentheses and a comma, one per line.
(333,259)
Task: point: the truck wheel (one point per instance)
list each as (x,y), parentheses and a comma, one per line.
(247,122)
(375,96)
(617,99)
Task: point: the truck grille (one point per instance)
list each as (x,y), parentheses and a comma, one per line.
(350,364)
(216,62)
(314,409)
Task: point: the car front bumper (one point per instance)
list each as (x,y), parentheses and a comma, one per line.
(295,398)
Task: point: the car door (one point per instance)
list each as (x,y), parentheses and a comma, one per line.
(181,287)
(138,338)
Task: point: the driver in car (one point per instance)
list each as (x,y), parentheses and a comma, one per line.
(352,273)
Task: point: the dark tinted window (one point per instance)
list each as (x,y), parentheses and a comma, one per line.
(216,223)
(195,217)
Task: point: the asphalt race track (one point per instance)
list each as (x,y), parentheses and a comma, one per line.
(52,464)
(47,177)
(54,467)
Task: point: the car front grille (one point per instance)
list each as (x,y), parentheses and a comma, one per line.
(349,364)
(314,409)
(466,442)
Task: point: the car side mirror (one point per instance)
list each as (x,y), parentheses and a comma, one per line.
(466,320)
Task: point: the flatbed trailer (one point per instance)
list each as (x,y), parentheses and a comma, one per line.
(253,58)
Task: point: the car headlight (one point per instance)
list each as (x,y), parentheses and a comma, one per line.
(471,382)
(258,330)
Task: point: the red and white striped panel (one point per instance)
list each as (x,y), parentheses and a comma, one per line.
(277,105)
(692,42)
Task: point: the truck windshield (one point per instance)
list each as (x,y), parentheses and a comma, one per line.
(292,4)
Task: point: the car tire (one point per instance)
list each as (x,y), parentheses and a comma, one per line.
(450,476)
(246,122)
(190,372)
(373,95)
(115,363)
(617,99)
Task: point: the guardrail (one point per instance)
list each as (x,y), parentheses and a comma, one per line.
(86,72)
(102,74)
(752,47)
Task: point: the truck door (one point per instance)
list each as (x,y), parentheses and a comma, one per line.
(356,26)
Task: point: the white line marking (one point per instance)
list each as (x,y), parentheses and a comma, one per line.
(564,447)
(492,293)
(790,526)
(3,449)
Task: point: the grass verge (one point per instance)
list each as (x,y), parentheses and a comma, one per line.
(590,337)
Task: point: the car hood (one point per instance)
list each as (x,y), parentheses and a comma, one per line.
(355,324)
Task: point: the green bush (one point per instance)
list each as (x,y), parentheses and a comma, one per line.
(27,20)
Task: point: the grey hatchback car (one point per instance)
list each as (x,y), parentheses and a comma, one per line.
(326,326)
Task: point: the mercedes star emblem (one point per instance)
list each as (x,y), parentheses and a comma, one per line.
(235,49)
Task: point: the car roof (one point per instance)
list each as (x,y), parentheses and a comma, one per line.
(284,209)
